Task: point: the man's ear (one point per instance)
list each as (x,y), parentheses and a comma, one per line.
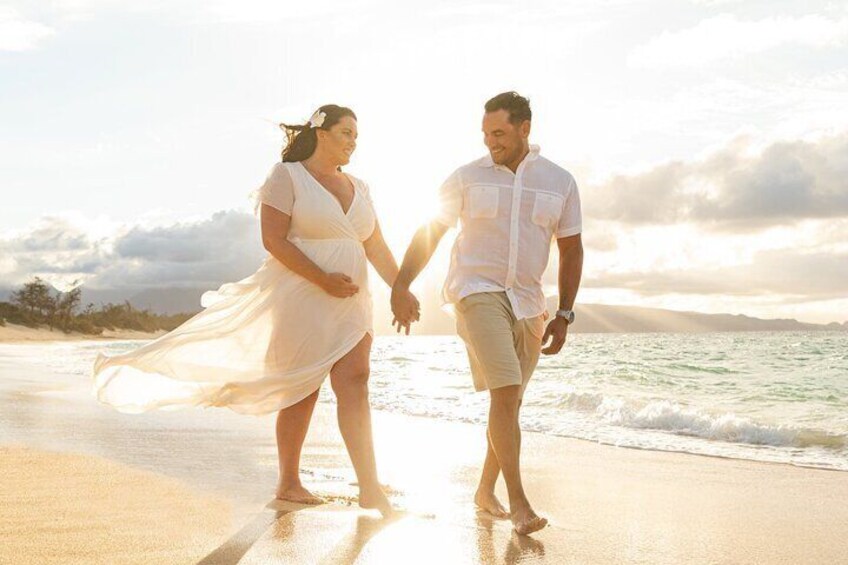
(525,129)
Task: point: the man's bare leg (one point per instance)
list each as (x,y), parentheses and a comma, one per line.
(503,425)
(485,497)
(292,424)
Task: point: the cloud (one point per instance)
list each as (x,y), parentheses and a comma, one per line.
(786,182)
(725,37)
(224,247)
(806,275)
(19,34)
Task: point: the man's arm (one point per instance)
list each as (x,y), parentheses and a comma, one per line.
(418,254)
(570,272)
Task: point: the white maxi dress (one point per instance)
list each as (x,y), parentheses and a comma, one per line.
(268,341)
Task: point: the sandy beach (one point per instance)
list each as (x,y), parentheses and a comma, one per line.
(84,484)
(606,505)
(14,333)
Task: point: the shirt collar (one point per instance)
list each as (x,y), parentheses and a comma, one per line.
(531,156)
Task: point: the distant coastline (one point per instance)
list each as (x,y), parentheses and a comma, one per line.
(182,303)
(14,333)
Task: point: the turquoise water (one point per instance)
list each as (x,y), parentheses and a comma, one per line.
(780,397)
(763,396)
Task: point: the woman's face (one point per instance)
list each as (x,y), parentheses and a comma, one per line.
(339,142)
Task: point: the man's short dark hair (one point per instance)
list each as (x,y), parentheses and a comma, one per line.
(517,106)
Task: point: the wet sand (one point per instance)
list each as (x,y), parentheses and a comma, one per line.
(196,486)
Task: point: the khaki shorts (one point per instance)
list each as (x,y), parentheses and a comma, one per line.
(502,351)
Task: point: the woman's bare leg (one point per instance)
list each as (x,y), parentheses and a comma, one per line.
(292,424)
(349,377)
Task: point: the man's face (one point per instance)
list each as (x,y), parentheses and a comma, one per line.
(505,140)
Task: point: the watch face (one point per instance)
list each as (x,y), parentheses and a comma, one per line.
(567,315)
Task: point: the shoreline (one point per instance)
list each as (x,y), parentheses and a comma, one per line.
(14,333)
(690,453)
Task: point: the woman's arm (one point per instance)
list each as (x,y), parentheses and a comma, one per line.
(275,230)
(380,256)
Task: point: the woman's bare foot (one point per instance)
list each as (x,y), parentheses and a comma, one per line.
(375,498)
(525,521)
(299,495)
(489,503)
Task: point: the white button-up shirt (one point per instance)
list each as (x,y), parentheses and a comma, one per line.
(508,221)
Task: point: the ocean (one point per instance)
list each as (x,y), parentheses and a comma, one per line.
(778,397)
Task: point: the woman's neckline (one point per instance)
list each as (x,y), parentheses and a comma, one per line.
(330,193)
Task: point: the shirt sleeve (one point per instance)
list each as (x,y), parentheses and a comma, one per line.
(277,191)
(450,200)
(570,219)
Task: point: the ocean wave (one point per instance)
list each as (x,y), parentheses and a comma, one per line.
(675,418)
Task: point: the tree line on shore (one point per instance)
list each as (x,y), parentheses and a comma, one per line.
(34,305)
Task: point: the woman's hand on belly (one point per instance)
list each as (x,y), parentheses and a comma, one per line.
(338,285)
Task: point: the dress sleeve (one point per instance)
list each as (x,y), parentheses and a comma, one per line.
(365,190)
(450,200)
(277,191)
(570,219)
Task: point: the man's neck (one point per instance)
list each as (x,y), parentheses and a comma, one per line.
(513,166)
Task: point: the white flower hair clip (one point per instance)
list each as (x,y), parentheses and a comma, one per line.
(317,119)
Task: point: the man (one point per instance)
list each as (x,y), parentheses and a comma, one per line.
(511,203)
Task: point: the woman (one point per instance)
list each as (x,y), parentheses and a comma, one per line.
(267,343)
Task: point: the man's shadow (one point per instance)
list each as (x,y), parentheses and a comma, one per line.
(519,549)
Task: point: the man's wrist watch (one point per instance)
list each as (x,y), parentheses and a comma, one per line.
(567,314)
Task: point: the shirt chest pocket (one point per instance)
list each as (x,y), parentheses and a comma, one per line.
(483,201)
(547,208)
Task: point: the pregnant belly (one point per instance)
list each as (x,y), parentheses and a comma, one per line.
(346,256)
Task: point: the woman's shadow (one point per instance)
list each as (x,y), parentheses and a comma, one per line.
(231,552)
(349,548)
(345,551)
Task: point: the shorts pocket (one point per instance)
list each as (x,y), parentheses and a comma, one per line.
(547,209)
(483,201)
(536,326)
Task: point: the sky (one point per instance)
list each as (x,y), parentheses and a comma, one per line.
(709,139)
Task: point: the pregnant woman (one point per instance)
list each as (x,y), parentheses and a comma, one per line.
(266,343)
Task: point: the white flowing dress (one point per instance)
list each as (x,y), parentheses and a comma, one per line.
(268,341)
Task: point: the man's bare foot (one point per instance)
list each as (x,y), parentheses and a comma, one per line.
(489,503)
(299,495)
(375,498)
(525,521)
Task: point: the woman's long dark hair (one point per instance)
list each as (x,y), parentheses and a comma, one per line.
(301,140)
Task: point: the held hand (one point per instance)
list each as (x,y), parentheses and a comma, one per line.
(556,331)
(401,325)
(405,308)
(339,285)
